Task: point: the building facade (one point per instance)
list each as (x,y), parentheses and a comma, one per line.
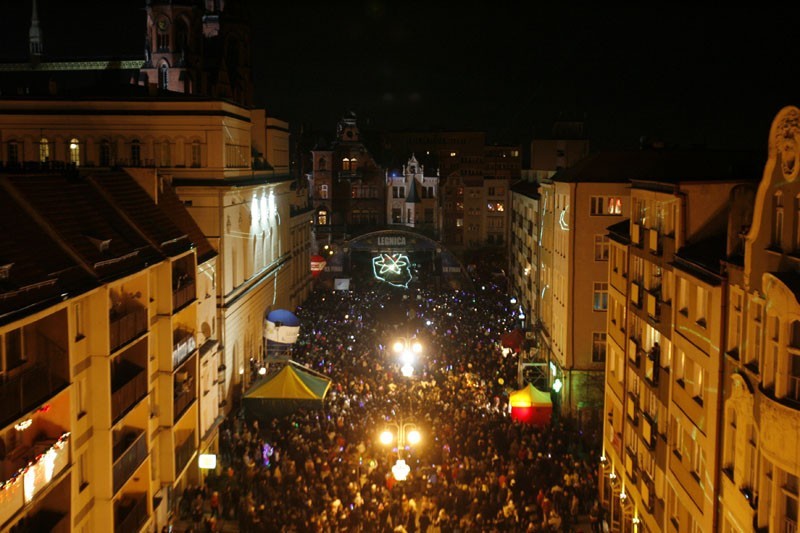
(665,332)
(412,198)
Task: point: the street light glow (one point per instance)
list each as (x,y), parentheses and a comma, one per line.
(557,385)
(407,371)
(399,346)
(417,347)
(387,437)
(414,437)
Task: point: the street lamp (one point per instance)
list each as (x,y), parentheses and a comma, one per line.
(406,433)
(408,350)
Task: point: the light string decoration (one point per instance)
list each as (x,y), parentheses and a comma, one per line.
(43,463)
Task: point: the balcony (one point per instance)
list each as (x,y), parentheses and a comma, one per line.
(653,305)
(184,453)
(29,473)
(182,401)
(184,293)
(350,174)
(27,390)
(128,387)
(129,453)
(636,234)
(125,327)
(130,513)
(636,294)
(183,347)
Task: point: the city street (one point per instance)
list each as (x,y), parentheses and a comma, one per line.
(420,389)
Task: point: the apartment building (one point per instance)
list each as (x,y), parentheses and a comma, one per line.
(101,364)
(760,396)
(665,329)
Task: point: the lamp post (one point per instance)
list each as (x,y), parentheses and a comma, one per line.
(406,433)
(407,349)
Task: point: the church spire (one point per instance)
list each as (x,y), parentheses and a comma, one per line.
(35,35)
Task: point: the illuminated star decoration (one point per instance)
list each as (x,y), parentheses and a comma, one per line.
(392,269)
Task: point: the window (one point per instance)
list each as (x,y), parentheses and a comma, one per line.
(683,296)
(601,248)
(793,388)
(80,396)
(195,154)
(345,164)
(777,220)
(12,153)
(598,347)
(459,222)
(44,150)
(163,35)
(74,151)
(323,191)
(789,504)
(164,154)
(396,215)
(398,192)
(735,322)
(321,163)
(83,472)
(163,77)
(428,215)
(600,296)
(606,205)
(701,313)
(105,154)
(322,217)
(79,321)
(136,153)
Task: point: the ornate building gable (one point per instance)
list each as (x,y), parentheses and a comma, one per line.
(775,216)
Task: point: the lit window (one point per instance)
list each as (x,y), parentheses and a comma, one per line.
(459,222)
(600,296)
(322,217)
(74,151)
(452,154)
(44,150)
(345,164)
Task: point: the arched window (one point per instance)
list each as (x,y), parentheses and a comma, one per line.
(353,163)
(777,220)
(195,154)
(322,217)
(162,45)
(105,154)
(136,153)
(165,159)
(345,164)
(74,151)
(321,163)
(44,150)
(12,153)
(163,77)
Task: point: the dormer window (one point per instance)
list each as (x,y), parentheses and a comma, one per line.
(102,245)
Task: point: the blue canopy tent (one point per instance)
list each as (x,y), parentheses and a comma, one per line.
(281,331)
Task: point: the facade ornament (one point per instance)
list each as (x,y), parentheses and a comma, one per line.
(787,143)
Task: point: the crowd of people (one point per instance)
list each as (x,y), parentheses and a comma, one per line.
(475,469)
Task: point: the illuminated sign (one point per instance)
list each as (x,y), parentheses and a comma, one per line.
(392,269)
(392,241)
(207,461)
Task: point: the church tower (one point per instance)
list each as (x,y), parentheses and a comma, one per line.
(198,47)
(35,47)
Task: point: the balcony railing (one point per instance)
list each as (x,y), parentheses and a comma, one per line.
(29,473)
(26,390)
(130,513)
(132,387)
(183,295)
(129,453)
(350,174)
(127,326)
(183,453)
(182,402)
(183,348)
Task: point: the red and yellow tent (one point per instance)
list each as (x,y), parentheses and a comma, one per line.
(529,405)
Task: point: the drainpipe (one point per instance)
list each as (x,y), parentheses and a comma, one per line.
(571,299)
(720,401)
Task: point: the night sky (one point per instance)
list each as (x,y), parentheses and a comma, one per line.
(698,76)
(685,76)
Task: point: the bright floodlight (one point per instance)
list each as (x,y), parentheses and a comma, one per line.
(387,437)
(417,347)
(407,371)
(398,346)
(414,437)
(400,470)
(407,358)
